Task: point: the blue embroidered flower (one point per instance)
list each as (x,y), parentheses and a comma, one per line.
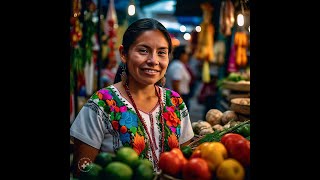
(125,138)
(129,119)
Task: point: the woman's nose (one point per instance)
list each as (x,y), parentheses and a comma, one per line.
(153,59)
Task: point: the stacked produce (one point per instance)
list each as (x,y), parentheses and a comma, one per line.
(124,165)
(218,121)
(225,157)
(221,151)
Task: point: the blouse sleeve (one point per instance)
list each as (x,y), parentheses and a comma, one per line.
(186,130)
(88,126)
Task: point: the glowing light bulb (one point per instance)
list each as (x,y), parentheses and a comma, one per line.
(240,20)
(183,28)
(187,36)
(131,10)
(198,28)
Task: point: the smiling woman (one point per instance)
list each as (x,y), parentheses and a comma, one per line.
(135,111)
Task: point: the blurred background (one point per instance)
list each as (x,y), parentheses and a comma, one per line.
(97,26)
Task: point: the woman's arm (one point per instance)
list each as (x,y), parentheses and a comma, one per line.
(82,150)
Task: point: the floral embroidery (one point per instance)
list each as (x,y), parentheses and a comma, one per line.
(131,130)
(138,143)
(129,119)
(125,138)
(173,141)
(115,125)
(123,129)
(104,94)
(171,119)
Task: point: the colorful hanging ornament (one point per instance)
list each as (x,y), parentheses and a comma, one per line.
(110,26)
(232,67)
(241,43)
(204,50)
(226,21)
(76,31)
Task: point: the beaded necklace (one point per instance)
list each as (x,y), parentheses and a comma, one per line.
(126,87)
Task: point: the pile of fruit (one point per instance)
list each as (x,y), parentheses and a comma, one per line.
(124,165)
(228,159)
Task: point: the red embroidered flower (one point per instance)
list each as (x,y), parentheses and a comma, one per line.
(123,129)
(138,143)
(115,125)
(171,119)
(173,141)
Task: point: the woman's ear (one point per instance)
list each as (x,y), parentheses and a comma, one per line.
(122,54)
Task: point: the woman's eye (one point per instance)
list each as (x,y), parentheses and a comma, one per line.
(162,53)
(143,51)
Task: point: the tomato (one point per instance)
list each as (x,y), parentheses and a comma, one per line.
(196,169)
(240,150)
(170,164)
(179,155)
(233,136)
(196,154)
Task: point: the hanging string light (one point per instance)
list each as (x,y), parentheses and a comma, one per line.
(240,17)
(131,8)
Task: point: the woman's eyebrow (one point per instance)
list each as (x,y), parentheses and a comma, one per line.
(146,46)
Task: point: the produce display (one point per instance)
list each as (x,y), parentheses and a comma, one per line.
(222,155)
(124,165)
(220,151)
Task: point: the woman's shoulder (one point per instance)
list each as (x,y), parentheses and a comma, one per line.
(170,92)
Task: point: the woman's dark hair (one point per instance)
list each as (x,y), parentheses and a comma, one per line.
(134,31)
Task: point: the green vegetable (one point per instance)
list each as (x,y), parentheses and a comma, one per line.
(243,130)
(216,135)
(186,151)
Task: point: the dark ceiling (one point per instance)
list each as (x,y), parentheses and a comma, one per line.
(184,8)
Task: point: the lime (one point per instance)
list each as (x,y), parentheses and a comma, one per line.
(91,172)
(104,158)
(128,156)
(145,162)
(117,171)
(144,172)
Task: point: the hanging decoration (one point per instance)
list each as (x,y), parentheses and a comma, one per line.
(110,27)
(75,32)
(241,44)
(232,67)
(91,48)
(205,50)
(76,55)
(220,51)
(226,21)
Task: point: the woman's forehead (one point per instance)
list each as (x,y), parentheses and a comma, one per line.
(152,37)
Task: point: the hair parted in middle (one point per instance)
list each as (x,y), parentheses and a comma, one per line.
(133,32)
